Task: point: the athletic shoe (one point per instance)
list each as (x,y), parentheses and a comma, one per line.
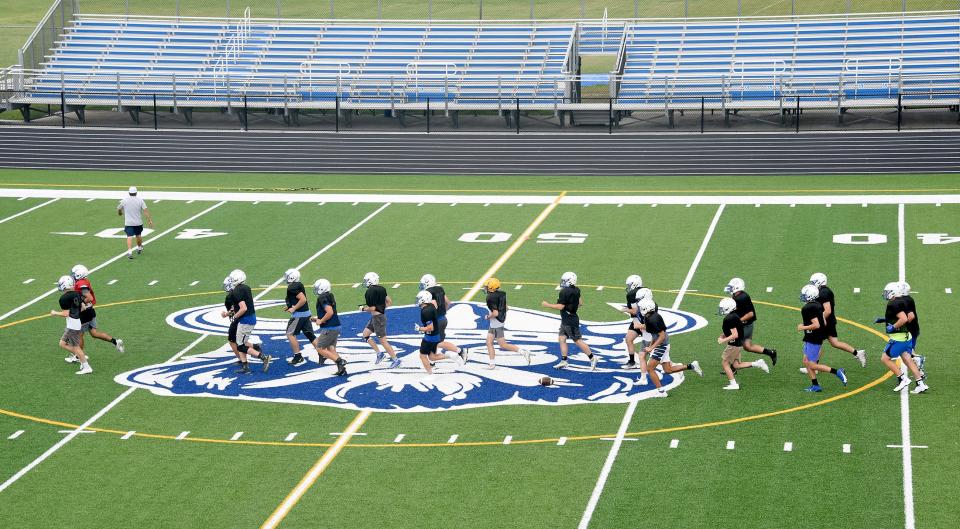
(297,360)
(920,360)
(903,383)
(630,365)
(526,355)
(562,365)
(395,363)
(760,364)
(814,389)
(921,387)
(732,385)
(71,359)
(341,367)
(266,359)
(773,356)
(85,369)
(861,357)
(593,363)
(462,355)
(380,356)
(257,347)
(139,250)
(491,365)
(803,370)
(244,370)
(659,394)
(120,345)
(129,255)
(695,366)
(842,376)
(642,380)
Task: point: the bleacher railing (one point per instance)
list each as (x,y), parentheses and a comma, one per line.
(47,32)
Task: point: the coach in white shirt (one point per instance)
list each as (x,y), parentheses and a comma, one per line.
(133,208)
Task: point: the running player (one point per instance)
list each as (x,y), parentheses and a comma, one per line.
(132,208)
(376,302)
(913,323)
(329,323)
(497,305)
(748,315)
(814,333)
(229,309)
(634,283)
(88,316)
(659,349)
(246,317)
(826,299)
(568,302)
(70,307)
(440,300)
(732,337)
(299,309)
(899,344)
(636,328)
(431,331)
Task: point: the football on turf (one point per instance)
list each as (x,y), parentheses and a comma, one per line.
(546,381)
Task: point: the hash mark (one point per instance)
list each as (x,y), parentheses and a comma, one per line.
(419,204)
(290,203)
(688,205)
(793,205)
(453,439)
(90,199)
(829,205)
(182,436)
(948,290)
(562,441)
(28,281)
(255,202)
(520,205)
(518,287)
(731,445)
(321,203)
(756,205)
(619,205)
(600,287)
(788,447)
(157,201)
(586,205)
(112,281)
(190,201)
(236,436)
(507,439)
(16,434)
(769,289)
(396,285)
(128,435)
(154,282)
(452,204)
(486,205)
(654,205)
(846,448)
(399,437)
(355,203)
(674,443)
(355,285)
(864,205)
(856,290)
(21,199)
(194,283)
(290,436)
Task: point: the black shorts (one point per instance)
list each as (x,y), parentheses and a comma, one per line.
(299,325)
(571,331)
(428,347)
(232,332)
(133,231)
(442,327)
(630,327)
(831,329)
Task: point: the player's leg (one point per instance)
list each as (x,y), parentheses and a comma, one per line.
(835,342)
(562,341)
(291,333)
(629,340)
(652,372)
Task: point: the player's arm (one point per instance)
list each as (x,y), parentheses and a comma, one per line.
(65,313)
(627,310)
(747,317)
(493,314)
(827,309)
(428,328)
(301,301)
(554,306)
(734,334)
(389,302)
(898,325)
(120,209)
(911,316)
(661,336)
(242,311)
(147,213)
(812,326)
(327,314)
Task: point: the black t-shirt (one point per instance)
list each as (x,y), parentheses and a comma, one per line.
(826,296)
(71,301)
(230,302)
(497,300)
(327,300)
(911,306)
(730,322)
(813,311)
(292,290)
(243,293)
(744,305)
(376,297)
(569,297)
(441,298)
(655,325)
(894,307)
(89,313)
(632,297)
(428,315)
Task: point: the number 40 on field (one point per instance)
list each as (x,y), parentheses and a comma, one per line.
(499,236)
(880,238)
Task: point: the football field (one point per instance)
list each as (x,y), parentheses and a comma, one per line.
(166,435)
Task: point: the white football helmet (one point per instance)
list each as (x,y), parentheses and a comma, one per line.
(818,279)
(65,283)
(891,291)
(427,281)
(321,286)
(646,307)
(727,305)
(809,293)
(904,289)
(292,275)
(238,276)
(424,297)
(735,285)
(568,279)
(370,279)
(79,272)
(644,293)
(634,282)
(227,284)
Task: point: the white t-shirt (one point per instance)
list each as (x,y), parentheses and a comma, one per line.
(132,208)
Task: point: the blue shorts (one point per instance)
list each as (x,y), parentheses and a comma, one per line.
(896,349)
(811,351)
(133,231)
(913,342)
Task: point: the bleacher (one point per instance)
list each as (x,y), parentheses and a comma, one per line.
(841,60)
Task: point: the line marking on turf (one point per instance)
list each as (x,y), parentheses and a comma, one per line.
(507,439)
(674,443)
(846,448)
(338,434)
(16,434)
(399,437)
(599,288)
(620,205)
(769,289)
(112,282)
(614,439)
(912,446)
(856,290)
(518,287)
(453,439)
(71,431)
(909,518)
(21,199)
(948,290)
(311,476)
(128,435)
(731,445)
(116,258)
(788,446)
(562,441)
(236,436)
(154,282)
(194,283)
(291,436)
(632,407)
(396,285)
(31,280)
(355,285)
(24,212)
(183,435)
(321,203)
(191,201)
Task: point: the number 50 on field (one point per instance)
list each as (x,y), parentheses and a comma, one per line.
(499,236)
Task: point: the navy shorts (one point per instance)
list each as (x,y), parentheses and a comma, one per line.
(133,231)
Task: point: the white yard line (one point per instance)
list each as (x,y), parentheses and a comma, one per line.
(117,257)
(909,519)
(632,407)
(24,212)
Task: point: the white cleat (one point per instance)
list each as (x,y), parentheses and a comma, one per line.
(593,363)
(921,387)
(642,380)
(732,385)
(491,365)
(695,365)
(659,394)
(526,355)
(71,359)
(462,355)
(904,382)
(861,357)
(761,365)
(803,370)
(562,365)
(85,369)
(120,345)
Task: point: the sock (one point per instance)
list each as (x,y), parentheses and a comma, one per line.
(242,348)
(814,382)
(833,371)
(767,352)
(590,355)
(564,358)
(113,341)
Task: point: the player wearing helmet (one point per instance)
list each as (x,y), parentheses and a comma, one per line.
(431,332)
(329,322)
(70,308)
(899,343)
(497,305)
(246,317)
(88,317)
(659,348)
(826,298)
(633,284)
(300,316)
(814,334)
(376,302)
(732,337)
(428,283)
(229,309)
(568,302)
(736,287)
(913,323)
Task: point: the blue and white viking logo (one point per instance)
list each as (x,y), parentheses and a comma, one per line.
(408,388)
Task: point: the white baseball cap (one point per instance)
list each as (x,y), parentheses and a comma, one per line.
(133,190)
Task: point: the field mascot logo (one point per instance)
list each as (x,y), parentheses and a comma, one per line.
(408,388)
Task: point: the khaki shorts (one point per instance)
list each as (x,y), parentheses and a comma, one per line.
(378,325)
(327,338)
(497,332)
(731,354)
(244,331)
(71,337)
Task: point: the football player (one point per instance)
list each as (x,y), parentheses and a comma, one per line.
(246,317)
(568,302)
(732,337)
(826,299)
(440,300)
(431,331)
(634,283)
(659,348)
(229,309)
(748,315)
(376,302)
(70,308)
(913,323)
(88,316)
(637,328)
(497,305)
(899,343)
(300,317)
(814,331)
(329,323)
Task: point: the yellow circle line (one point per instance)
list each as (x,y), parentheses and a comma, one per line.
(698,426)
